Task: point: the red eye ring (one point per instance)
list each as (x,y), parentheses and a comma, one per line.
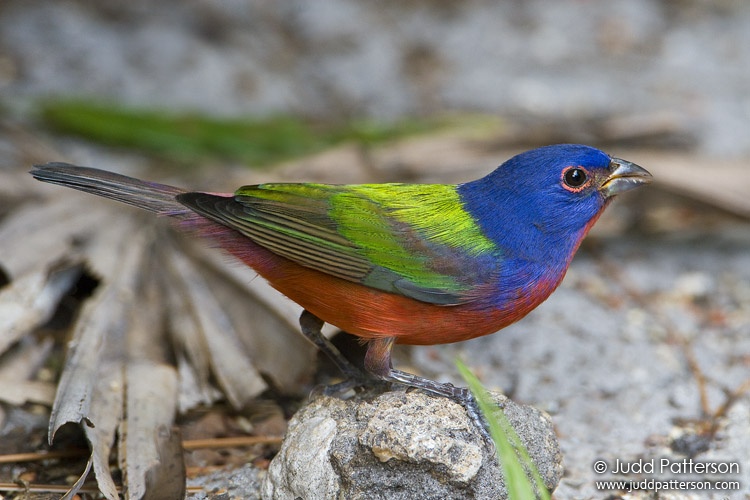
(575,179)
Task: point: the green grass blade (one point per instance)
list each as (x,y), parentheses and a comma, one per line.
(513,457)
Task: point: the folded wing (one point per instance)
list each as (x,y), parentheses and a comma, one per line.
(413,240)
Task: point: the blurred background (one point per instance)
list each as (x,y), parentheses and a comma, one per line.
(673,73)
(224,93)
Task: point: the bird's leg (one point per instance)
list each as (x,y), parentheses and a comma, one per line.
(378,363)
(356,379)
(311,327)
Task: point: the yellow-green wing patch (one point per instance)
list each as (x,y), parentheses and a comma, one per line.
(414,240)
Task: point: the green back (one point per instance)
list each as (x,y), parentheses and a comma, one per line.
(411,239)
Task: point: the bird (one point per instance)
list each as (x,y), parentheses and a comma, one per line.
(397,263)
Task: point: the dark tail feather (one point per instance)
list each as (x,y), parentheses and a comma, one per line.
(151,196)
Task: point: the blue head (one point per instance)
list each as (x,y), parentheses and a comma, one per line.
(539,204)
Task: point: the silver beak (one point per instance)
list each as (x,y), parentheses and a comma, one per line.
(624,176)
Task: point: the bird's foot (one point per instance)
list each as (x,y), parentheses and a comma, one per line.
(461,395)
(379,372)
(465,398)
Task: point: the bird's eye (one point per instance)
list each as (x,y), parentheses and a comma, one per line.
(575,178)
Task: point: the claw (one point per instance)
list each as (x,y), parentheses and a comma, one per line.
(469,402)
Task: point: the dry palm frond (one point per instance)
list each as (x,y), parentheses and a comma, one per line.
(169,326)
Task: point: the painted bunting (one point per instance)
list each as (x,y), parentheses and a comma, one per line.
(399,263)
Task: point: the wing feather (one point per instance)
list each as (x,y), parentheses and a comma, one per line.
(355,233)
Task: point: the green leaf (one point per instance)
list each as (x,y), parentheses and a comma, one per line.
(187,137)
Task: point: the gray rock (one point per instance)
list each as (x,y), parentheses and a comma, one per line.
(401,445)
(227,483)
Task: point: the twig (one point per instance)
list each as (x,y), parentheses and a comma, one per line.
(42,455)
(193,444)
(60,488)
(700,378)
(732,398)
(46,488)
(230,442)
